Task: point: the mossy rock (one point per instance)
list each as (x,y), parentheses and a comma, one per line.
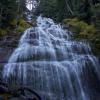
(13,22)
(23,23)
(3,32)
(20,29)
(22,26)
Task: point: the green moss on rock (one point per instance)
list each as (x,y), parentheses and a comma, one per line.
(13,22)
(22,26)
(20,29)
(3,32)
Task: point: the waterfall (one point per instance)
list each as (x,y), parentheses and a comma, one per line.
(53,64)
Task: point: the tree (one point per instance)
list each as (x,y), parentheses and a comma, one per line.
(48,8)
(85,12)
(21,6)
(62,11)
(8,12)
(59,9)
(55,9)
(95,1)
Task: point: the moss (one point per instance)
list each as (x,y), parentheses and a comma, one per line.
(20,29)
(13,22)
(3,32)
(83,29)
(24,24)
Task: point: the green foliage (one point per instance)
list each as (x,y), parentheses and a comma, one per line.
(55,9)
(61,9)
(13,22)
(83,29)
(21,6)
(22,26)
(3,32)
(8,12)
(20,29)
(48,8)
(85,12)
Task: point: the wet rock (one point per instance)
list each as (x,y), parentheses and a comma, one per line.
(4,54)
(21,93)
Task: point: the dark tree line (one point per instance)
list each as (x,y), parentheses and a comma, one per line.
(85,10)
(9,9)
(60,9)
(55,9)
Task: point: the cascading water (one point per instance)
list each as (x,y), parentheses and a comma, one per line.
(53,64)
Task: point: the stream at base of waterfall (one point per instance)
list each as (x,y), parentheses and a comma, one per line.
(49,61)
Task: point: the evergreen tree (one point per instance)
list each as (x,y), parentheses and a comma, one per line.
(55,9)
(8,12)
(95,1)
(61,10)
(48,8)
(85,12)
(21,6)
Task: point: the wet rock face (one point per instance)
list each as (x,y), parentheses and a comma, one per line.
(22,93)
(4,54)
(10,40)
(7,44)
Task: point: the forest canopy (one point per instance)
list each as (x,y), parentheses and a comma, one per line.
(61,9)
(9,10)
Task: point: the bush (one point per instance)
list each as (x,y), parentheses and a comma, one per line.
(83,29)
(3,32)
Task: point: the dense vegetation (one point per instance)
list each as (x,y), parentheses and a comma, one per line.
(82,17)
(11,13)
(7,12)
(61,9)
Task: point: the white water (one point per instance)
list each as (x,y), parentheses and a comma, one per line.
(53,64)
